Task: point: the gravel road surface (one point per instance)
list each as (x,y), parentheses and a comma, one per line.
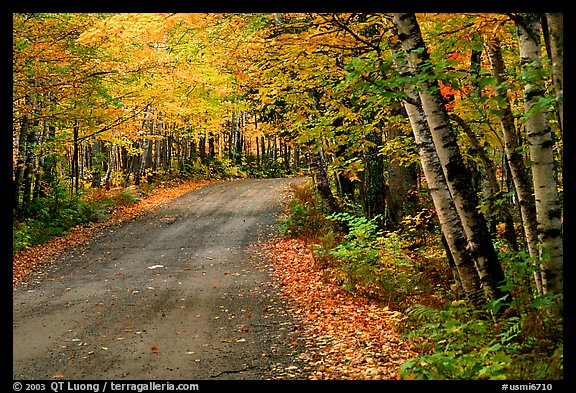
(181,292)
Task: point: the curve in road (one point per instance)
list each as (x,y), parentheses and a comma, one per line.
(178,293)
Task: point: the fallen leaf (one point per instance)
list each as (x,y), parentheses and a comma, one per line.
(349,337)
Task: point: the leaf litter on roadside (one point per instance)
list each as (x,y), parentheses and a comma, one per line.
(349,337)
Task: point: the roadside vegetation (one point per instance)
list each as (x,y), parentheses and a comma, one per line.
(406,271)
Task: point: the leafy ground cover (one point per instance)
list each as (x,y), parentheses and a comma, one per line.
(380,308)
(355,338)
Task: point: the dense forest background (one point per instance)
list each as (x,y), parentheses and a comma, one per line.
(434,142)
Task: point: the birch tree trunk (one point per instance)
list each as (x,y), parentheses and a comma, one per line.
(489,183)
(455,171)
(539,136)
(556,31)
(111,163)
(450,223)
(518,170)
(96,164)
(146,155)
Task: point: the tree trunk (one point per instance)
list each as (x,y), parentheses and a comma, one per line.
(489,182)
(111,164)
(75,160)
(237,137)
(539,136)
(43,137)
(374,186)
(211,151)
(318,169)
(556,31)
(50,160)
(518,170)
(20,163)
(29,166)
(202,148)
(455,171)
(401,179)
(450,222)
(263,157)
(96,164)
(296,162)
(146,155)
(157,142)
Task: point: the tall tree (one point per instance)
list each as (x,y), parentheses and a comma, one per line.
(450,222)
(520,176)
(457,176)
(555,23)
(539,136)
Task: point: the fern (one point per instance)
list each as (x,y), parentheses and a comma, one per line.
(511,330)
(421,313)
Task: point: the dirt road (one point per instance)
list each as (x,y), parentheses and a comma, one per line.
(179,293)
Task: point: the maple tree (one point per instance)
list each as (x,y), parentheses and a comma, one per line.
(124,96)
(331,79)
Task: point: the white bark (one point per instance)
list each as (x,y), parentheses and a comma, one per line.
(455,171)
(518,169)
(450,222)
(556,30)
(539,135)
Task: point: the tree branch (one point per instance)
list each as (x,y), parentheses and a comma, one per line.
(340,24)
(116,124)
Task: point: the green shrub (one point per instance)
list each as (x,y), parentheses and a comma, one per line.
(370,262)
(57,212)
(459,342)
(22,235)
(304,216)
